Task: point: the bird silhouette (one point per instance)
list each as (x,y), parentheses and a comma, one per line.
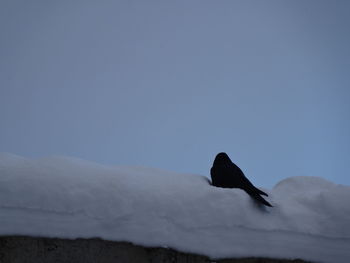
(226,174)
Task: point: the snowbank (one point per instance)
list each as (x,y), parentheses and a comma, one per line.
(72,198)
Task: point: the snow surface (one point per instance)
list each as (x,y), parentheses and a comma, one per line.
(72,198)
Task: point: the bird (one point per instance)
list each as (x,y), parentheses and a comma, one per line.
(224,173)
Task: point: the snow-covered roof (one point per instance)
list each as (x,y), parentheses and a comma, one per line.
(72,198)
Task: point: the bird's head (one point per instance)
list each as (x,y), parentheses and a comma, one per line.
(221,159)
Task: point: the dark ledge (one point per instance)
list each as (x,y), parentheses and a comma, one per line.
(21,249)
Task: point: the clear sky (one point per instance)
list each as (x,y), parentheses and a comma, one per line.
(169,84)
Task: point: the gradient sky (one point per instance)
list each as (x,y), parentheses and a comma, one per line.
(169,84)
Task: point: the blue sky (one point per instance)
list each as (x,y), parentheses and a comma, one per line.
(169,84)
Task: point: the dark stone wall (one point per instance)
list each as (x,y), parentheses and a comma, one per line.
(19,249)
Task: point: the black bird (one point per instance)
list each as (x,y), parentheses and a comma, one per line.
(226,174)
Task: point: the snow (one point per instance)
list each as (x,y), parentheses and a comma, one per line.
(72,198)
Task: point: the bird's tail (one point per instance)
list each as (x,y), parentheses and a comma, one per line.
(261,192)
(262,200)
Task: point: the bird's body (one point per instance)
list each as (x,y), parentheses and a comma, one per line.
(226,174)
